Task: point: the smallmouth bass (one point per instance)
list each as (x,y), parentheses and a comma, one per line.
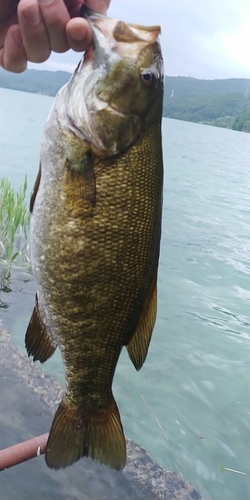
(95,233)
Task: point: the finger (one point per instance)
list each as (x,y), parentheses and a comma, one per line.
(12,55)
(55,16)
(79,34)
(33,31)
(74,7)
(100,6)
(6,20)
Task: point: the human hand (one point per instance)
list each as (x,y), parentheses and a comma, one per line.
(31,29)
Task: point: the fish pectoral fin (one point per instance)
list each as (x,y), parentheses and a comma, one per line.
(77,432)
(84,169)
(138,344)
(38,342)
(35,189)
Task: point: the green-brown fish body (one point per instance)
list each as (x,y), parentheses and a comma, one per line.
(96,224)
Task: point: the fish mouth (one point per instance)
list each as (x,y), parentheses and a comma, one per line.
(89,116)
(108,33)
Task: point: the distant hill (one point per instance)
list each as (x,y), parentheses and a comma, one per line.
(221,103)
(214,102)
(242,122)
(187,86)
(35,81)
(49,82)
(214,109)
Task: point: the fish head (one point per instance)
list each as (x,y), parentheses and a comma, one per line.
(117,88)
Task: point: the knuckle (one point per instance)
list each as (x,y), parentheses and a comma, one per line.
(60,48)
(15,66)
(37,51)
(78,46)
(39,57)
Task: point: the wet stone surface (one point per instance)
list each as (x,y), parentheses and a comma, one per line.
(28,402)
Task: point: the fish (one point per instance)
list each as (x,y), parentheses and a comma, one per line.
(96,213)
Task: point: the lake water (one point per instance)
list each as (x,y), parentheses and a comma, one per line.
(189,405)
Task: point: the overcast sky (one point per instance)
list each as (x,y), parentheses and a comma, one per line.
(200,38)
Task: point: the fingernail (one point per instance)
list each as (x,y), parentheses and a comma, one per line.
(16,35)
(32,15)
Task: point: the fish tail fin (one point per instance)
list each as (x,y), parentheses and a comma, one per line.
(77,432)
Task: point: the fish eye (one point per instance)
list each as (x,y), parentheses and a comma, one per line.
(148,78)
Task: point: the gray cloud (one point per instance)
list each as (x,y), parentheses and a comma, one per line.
(195,35)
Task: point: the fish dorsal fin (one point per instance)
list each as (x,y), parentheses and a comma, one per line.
(35,189)
(38,342)
(138,344)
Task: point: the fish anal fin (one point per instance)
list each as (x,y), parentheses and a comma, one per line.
(77,432)
(35,189)
(138,344)
(38,342)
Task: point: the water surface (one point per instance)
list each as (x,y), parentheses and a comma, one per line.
(196,376)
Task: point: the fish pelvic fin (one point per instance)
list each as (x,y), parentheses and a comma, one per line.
(38,342)
(138,344)
(77,432)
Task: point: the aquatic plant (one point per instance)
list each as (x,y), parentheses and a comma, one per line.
(14,229)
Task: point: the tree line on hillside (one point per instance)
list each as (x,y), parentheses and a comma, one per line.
(49,82)
(187,86)
(216,109)
(35,81)
(242,122)
(223,103)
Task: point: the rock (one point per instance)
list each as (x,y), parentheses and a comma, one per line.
(29,398)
